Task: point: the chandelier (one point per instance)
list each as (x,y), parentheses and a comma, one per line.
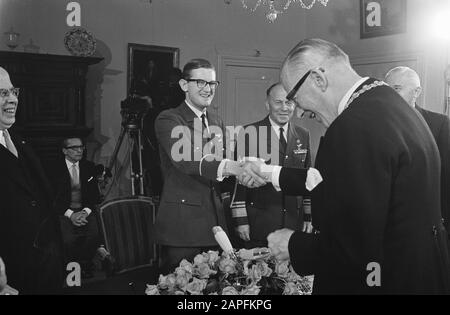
(273,12)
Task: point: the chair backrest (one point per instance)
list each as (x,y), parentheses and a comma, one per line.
(127,230)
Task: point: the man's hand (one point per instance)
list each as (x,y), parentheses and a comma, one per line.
(307,227)
(244,232)
(251,175)
(5,289)
(79,218)
(2,275)
(278,243)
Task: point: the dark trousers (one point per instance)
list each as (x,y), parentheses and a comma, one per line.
(35,270)
(80,242)
(172,256)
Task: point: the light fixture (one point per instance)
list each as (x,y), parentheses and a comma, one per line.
(273,13)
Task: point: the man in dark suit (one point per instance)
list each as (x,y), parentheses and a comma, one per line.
(191,144)
(260,211)
(407,83)
(77,194)
(29,238)
(377,197)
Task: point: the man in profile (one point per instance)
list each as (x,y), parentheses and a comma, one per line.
(406,82)
(377,207)
(29,234)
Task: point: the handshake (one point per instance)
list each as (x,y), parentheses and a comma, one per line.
(250,171)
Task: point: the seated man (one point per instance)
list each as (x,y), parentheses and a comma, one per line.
(77,194)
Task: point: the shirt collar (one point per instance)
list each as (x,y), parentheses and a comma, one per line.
(69,164)
(346,98)
(2,138)
(197,112)
(277,127)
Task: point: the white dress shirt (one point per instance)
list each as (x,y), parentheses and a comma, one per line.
(69,164)
(277,127)
(2,139)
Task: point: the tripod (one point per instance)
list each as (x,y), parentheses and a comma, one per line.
(134,136)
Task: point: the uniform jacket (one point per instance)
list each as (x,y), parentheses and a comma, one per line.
(190,203)
(263,208)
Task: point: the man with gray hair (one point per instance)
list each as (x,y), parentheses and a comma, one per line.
(29,238)
(377,209)
(407,83)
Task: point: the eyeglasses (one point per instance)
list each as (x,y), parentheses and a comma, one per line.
(76,148)
(202,83)
(291,95)
(309,114)
(8,92)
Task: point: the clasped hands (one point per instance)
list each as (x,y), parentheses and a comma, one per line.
(248,171)
(79,218)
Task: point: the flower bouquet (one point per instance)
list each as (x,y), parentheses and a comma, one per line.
(246,272)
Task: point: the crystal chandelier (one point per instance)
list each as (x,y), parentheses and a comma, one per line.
(273,12)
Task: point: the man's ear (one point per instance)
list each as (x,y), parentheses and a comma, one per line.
(183,84)
(417,91)
(267,106)
(319,79)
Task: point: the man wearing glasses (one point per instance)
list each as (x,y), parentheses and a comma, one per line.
(28,226)
(377,210)
(77,194)
(191,203)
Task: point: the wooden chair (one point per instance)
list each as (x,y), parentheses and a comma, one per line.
(126,224)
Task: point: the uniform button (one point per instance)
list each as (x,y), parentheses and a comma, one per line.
(251,203)
(183,201)
(286,157)
(33,203)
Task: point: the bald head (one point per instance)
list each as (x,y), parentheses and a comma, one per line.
(5,81)
(406,82)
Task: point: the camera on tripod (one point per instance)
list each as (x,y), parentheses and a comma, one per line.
(133,109)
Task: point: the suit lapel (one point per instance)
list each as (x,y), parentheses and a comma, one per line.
(12,167)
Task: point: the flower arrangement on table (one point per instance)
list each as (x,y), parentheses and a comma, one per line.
(246,272)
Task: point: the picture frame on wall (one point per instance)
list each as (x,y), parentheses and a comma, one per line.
(382,17)
(150,65)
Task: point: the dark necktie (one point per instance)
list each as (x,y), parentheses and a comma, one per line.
(283,145)
(205,127)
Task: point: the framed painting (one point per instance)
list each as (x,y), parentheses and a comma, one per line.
(382,17)
(151,65)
